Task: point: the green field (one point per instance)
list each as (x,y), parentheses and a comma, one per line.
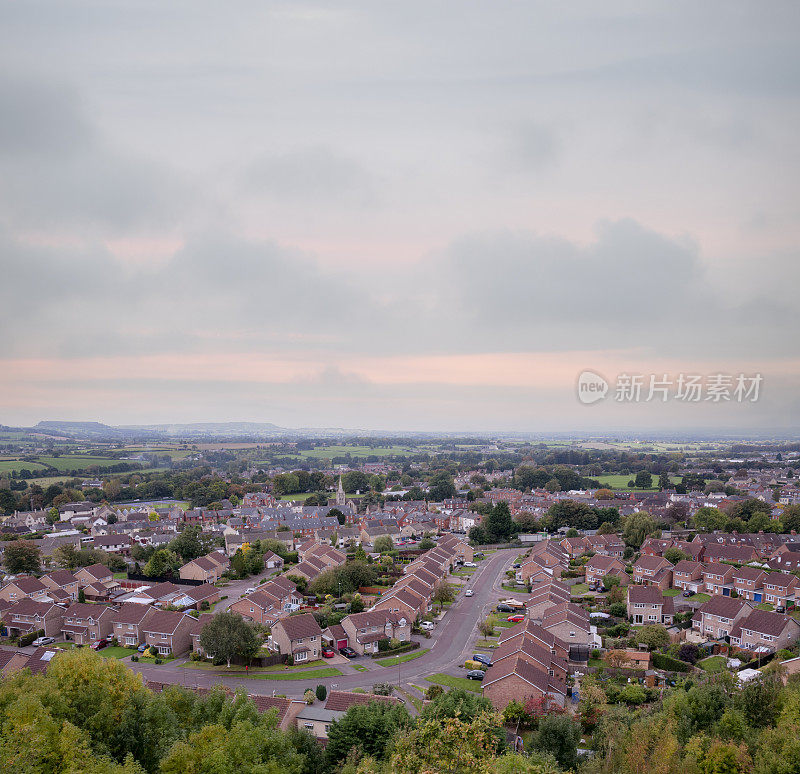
(9,466)
(620,481)
(327,452)
(455,682)
(395,660)
(77,462)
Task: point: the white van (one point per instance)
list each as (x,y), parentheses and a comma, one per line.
(427,626)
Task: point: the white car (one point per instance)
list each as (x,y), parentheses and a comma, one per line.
(426,625)
(249,591)
(468,593)
(39,641)
(470,564)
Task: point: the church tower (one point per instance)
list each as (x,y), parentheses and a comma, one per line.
(340,498)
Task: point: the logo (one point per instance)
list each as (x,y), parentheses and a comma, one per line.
(591,387)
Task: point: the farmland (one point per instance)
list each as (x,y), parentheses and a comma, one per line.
(620,481)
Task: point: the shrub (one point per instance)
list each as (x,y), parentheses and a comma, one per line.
(322,692)
(382,689)
(134,658)
(204,605)
(433,691)
(195,656)
(290,660)
(309,696)
(663,661)
(158,661)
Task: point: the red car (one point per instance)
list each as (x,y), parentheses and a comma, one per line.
(515,618)
(328,653)
(100,644)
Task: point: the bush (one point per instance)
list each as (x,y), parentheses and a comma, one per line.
(134,658)
(433,691)
(158,661)
(382,689)
(290,660)
(195,656)
(322,692)
(309,696)
(204,605)
(663,661)
(618,609)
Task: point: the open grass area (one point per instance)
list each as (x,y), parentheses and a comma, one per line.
(455,682)
(672,592)
(486,644)
(78,462)
(620,481)
(327,452)
(713,664)
(359,668)
(9,466)
(281,668)
(395,660)
(579,588)
(114,651)
(701,597)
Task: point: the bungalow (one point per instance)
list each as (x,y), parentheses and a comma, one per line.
(653,571)
(716,618)
(298,636)
(317,719)
(765,632)
(84,623)
(646,605)
(365,630)
(167,632)
(518,679)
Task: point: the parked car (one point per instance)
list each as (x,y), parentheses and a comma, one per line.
(348,653)
(468,593)
(100,644)
(475,674)
(39,641)
(482,658)
(427,626)
(516,618)
(688,593)
(504,608)
(328,652)
(516,566)
(250,591)
(142,648)
(470,564)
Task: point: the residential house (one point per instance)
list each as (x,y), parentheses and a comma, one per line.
(272,561)
(28,616)
(518,679)
(167,632)
(599,566)
(63,580)
(569,622)
(317,719)
(765,632)
(403,602)
(84,624)
(716,618)
(687,575)
(365,630)
(780,589)
(535,654)
(748,583)
(298,636)
(24,587)
(208,569)
(126,622)
(653,571)
(647,604)
(718,578)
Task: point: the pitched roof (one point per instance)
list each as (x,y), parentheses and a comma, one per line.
(765,622)
(163,621)
(300,626)
(725,607)
(341,701)
(647,595)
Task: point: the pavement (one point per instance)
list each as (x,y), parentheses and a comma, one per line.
(450,644)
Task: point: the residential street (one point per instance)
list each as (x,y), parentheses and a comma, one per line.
(450,644)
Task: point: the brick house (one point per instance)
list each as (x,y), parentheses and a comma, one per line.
(780,589)
(262,607)
(167,632)
(64,580)
(653,571)
(762,632)
(716,618)
(687,575)
(535,654)
(126,624)
(544,598)
(529,630)
(575,547)
(207,568)
(718,578)
(570,623)
(298,636)
(599,566)
(365,630)
(317,719)
(647,604)
(94,573)
(27,616)
(748,583)
(463,550)
(272,561)
(23,587)
(520,680)
(84,624)
(403,602)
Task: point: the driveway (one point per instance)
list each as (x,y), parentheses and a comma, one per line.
(450,644)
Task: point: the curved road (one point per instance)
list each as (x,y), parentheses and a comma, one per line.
(450,644)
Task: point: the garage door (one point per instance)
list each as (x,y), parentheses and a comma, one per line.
(341,644)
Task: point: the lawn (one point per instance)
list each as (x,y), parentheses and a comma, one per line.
(150,659)
(701,597)
(359,668)
(672,592)
(395,660)
(208,665)
(579,588)
(77,462)
(114,651)
(488,644)
(455,682)
(713,664)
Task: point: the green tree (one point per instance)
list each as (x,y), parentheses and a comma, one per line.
(66,556)
(644,480)
(653,636)
(559,735)
(367,727)
(162,562)
(498,524)
(675,555)
(441,486)
(228,635)
(443,593)
(384,544)
(81,595)
(426,543)
(53,516)
(321,692)
(637,527)
(21,556)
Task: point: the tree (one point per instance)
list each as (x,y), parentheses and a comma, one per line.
(81,595)
(643,480)
(443,593)
(321,692)
(162,562)
(384,544)
(228,635)
(637,527)
(191,543)
(559,735)
(425,544)
(340,517)
(21,556)
(653,636)
(790,518)
(367,727)
(708,519)
(53,516)
(498,524)
(675,555)
(441,486)
(570,513)
(664,481)
(66,556)
(457,703)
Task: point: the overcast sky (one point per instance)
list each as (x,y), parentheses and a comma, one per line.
(426,215)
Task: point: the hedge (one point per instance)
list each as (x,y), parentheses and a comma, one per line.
(663,661)
(404,648)
(27,639)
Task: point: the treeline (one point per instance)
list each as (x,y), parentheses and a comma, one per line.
(92,714)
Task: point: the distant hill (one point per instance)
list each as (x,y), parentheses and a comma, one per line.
(209,429)
(93,430)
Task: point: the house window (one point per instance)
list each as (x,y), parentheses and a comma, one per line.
(92,635)
(310,725)
(164,636)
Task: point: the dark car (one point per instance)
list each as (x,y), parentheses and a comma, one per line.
(516,566)
(688,593)
(348,653)
(503,608)
(475,674)
(482,658)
